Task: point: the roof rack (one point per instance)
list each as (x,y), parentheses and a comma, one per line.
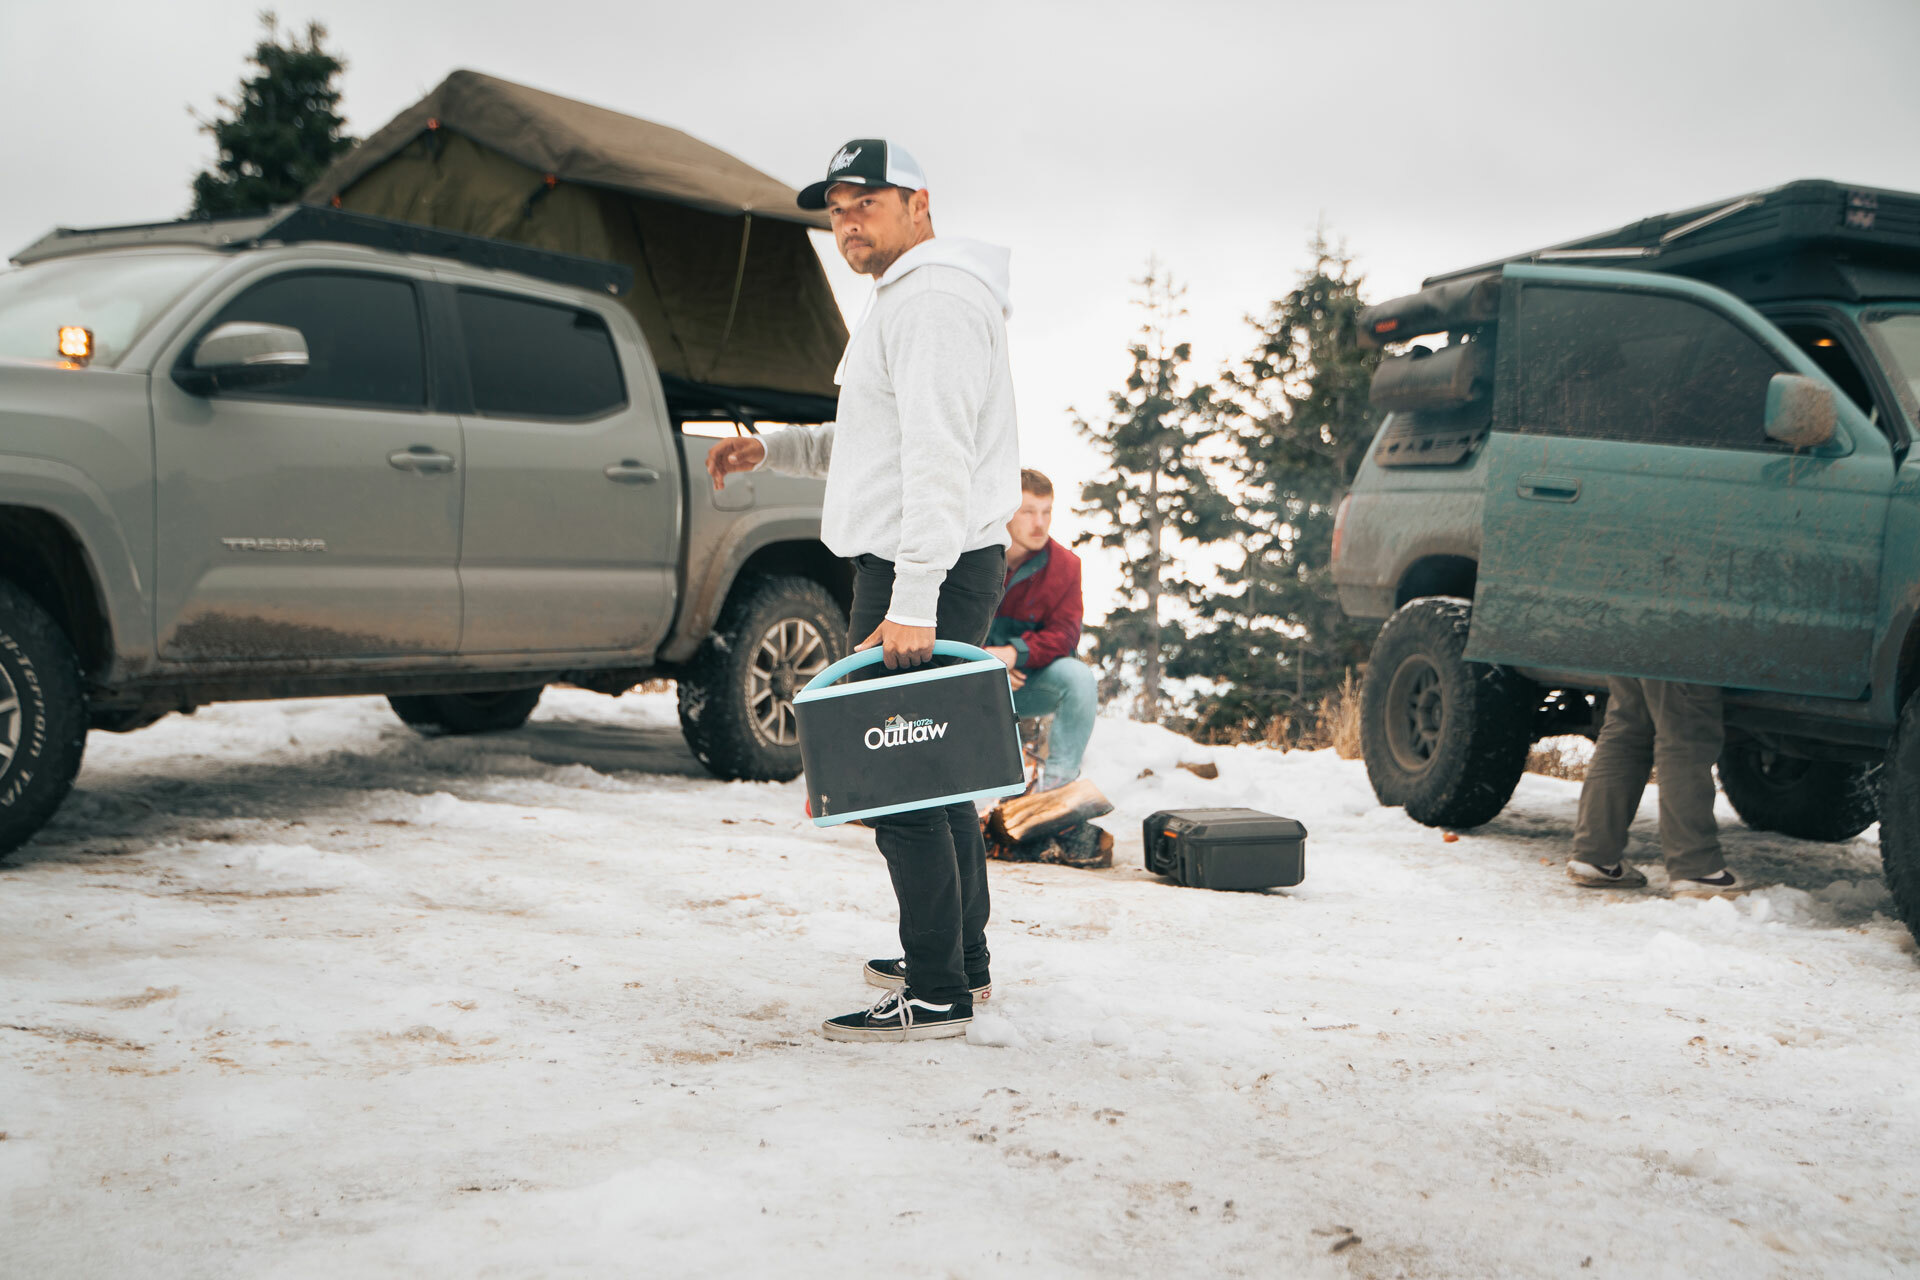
(305,223)
(1812,234)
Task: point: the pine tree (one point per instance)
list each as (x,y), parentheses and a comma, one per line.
(282,131)
(1300,425)
(1155,487)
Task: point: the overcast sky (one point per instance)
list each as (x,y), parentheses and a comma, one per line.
(1085,136)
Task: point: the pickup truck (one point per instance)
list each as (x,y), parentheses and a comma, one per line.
(318,453)
(1681,450)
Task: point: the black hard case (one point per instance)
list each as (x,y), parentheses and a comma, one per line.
(1225,848)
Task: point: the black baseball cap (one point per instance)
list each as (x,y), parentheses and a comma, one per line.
(866,162)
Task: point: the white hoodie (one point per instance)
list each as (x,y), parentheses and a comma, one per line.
(924,461)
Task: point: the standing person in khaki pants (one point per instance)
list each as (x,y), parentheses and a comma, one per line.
(1678,729)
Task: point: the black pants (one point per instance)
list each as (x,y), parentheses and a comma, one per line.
(936,856)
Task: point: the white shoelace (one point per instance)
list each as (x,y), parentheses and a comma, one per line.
(878,1011)
(903,1010)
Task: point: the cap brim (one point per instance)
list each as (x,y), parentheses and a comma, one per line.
(815,196)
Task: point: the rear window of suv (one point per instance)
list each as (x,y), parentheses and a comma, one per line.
(1898,337)
(541,360)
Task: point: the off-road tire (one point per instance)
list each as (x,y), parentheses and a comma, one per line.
(1826,800)
(43,723)
(735,734)
(1444,737)
(456,713)
(1900,815)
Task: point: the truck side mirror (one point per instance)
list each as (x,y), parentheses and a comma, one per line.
(1800,411)
(244,354)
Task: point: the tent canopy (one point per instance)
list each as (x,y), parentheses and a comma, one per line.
(727,286)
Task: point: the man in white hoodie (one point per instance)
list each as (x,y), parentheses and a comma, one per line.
(923,473)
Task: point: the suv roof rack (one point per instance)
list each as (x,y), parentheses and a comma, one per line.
(302,223)
(1807,236)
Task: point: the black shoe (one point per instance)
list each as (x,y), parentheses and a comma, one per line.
(901,1015)
(1611,875)
(1721,884)
(892,975)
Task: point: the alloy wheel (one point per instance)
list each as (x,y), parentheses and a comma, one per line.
(10,720)
(1416,713)
(789,654)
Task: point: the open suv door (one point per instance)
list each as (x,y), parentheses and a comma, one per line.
(1644,515)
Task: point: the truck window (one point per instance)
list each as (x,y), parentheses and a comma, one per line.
(1609,365)
(363,337)
(537,359)
(1897,337)
(1826,349)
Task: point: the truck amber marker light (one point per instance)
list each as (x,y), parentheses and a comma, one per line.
(76,343)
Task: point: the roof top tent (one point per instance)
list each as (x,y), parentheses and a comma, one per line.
(727,288)
(1811,238)
(1807,239)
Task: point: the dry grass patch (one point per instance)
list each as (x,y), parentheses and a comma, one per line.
(1337,724)
(1552,760)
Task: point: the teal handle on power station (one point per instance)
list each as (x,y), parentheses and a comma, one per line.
(867,657)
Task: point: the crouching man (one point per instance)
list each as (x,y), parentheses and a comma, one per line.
(1037,629)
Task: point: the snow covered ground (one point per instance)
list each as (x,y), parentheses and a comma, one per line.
(291,991)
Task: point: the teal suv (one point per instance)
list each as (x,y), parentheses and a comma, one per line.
(1680,450)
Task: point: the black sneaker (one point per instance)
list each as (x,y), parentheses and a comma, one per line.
(1612,875)
(901,1015)
(1721,884)
(892,975)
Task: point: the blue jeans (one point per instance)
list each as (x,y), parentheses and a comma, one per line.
(1063,689)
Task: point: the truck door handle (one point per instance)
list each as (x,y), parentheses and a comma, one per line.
(1543,488)
(421,458)
(629,471)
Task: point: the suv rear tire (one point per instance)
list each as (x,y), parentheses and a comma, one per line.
(736,696)
(467,712)
(1444,737)
(1827,800)
(43,717)
(1900,815)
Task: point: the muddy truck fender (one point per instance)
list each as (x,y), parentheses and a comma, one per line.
(761,525)
(76,533)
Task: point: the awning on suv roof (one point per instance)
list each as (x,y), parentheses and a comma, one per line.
(727,286)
